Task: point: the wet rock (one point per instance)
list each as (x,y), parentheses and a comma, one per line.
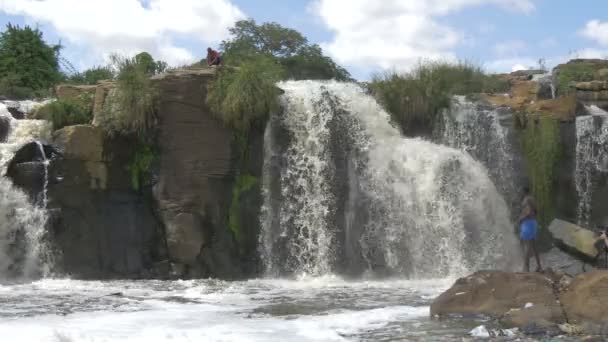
(495,293)
(185,237)
(591,339)
(559,261)
(575,240)
(5,127)
(16,113)
(586,301)
(541,316)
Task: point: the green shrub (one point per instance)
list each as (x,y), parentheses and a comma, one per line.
(140,166)
(91,76)
(131,108)
(541,146)
(416,98)
(243,184)
(247,94)
(67,112)
(573,73)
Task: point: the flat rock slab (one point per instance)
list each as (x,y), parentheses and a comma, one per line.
(575,239)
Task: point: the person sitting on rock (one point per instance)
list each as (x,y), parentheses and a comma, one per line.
(529,230)
(213,58)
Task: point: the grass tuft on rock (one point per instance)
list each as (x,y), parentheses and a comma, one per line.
(415,99)
(245,95)
(131,108)
(67,112)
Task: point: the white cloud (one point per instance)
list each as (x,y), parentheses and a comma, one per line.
(596,30)
(395,33)
(518,67)
(509,47)
(127,26)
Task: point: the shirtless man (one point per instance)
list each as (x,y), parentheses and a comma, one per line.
(529,230)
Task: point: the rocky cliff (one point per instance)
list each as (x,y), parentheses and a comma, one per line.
(175,225)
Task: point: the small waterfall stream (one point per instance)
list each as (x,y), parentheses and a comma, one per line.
(346,193)
(591,158)
(21,222)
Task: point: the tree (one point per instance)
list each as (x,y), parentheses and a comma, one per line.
(91,76)
(149,65)
(286,46)
(27,63)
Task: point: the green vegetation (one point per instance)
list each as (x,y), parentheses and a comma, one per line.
(91,76)
(29,67)
(541,145)
(243,184)
(131,108)
(258,56)
(573,73)
(416,99)
(140,167)
(285,46)
(246,95)
(67,112)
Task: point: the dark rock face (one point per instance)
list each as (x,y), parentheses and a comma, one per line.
(27,168)
(99,226)
(197,174)
(101,234)
(16,113)
(5,127)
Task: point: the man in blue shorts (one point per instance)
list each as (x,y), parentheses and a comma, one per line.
(528,230)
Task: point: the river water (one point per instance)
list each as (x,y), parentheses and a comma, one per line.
(316,309)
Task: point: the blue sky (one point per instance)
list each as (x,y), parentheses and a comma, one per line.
(363,35)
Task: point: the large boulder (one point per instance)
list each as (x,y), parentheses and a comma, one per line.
(514,297)
(575,240)
(586,301)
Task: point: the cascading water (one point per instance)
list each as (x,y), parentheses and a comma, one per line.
(478,131)
(345,193)
(21,223)
(591,157)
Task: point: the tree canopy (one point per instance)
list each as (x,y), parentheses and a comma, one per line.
(287,47)
(27,63)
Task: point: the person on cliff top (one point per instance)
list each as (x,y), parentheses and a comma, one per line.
(213,57)
(529,230)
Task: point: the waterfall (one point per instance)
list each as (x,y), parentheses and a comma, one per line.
(45,164)
(344,192)
(22,251)
(591,158)
(478,131)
